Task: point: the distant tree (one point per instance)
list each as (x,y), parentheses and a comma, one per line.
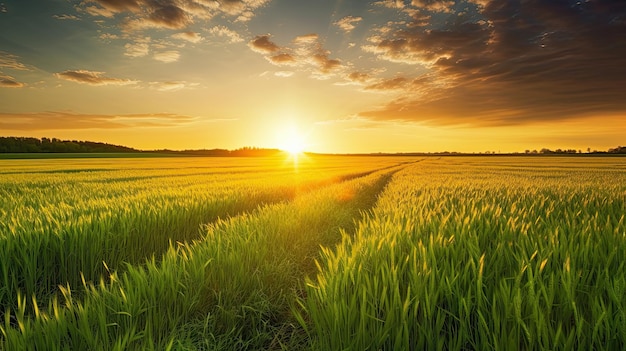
(618,150)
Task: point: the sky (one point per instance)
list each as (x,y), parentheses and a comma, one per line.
(345,76)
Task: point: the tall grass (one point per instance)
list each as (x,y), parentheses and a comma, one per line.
(230,289)
(67,221)
(481,254)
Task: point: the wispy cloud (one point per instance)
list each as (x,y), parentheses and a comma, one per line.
(66,17)
(92,78)
(191,37)
(222,31)
(138,48)
(283,74)
(171,85)
(167,56)
(389,84)
(8,60)
(56,120)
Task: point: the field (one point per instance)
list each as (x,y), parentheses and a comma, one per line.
(318,253)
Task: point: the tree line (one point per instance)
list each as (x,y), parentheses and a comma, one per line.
(616,150)
(54,145)
(49,145)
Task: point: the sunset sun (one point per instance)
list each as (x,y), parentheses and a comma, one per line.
(293,144)
(290,139)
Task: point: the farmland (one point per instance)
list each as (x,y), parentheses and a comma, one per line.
(323,253)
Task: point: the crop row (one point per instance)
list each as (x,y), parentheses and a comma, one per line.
(74,220)
(230,289)
(481,254)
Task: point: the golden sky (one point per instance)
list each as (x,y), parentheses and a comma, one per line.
(335,76)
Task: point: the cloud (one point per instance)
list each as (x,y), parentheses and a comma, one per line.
(358,77)
(66,17)
(392,4)
(10,61)
(262,44)
(283,59)
(434,5)
(306,53)
(162,15)
(169,14)
(108,36)
(71,121)
(9,82)
(117,6)
(132,18)
(139,48)
(191,37)
(167,56)
(170,85)
(242,9)
(507,63)
(98,11)
(92,78)
(283,74)
(347,24)
(389,84)
(222,31)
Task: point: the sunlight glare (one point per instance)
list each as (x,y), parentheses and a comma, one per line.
(292,141)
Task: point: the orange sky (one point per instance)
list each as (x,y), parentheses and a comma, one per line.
(333,76)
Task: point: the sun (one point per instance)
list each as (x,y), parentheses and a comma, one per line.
(293,144)
(290,140)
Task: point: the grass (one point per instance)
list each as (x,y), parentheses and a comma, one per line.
(483,255)
(236,282)
(330,253)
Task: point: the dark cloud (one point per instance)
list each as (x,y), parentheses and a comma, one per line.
(513,62)
(166,14)
(69,120)
(92,78)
